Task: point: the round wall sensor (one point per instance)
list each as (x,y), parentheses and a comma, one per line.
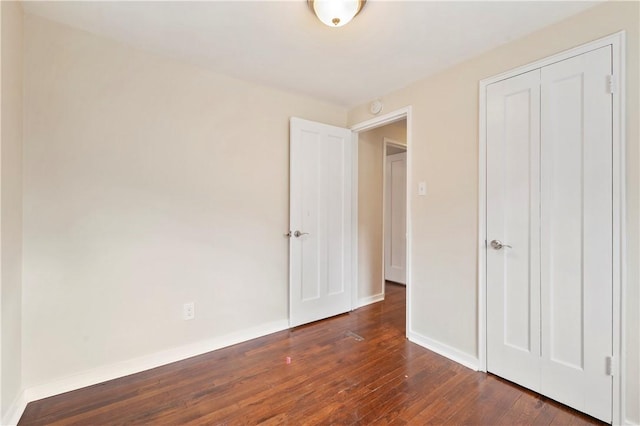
(376,107)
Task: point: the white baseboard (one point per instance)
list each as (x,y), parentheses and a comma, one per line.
(364,301)
(628,422)
(12,417)
(445,350)
(147,362)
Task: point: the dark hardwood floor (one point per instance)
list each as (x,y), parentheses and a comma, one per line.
(334,378)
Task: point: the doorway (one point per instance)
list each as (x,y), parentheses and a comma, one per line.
(395,210)
(374,139)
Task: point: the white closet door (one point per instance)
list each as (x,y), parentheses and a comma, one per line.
(395,226)
(576,232)
(513,278)
(550,212)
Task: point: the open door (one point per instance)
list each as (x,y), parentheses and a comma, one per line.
(320,221)
(395,218)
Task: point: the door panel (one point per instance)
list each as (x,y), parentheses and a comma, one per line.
(320,208)
(307,219)
(513,281)
(576,232)
(333,210)
(395,259)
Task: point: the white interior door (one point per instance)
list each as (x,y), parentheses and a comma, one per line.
(576,232)
(320,221)
(395,218)
(513,219)
(550,231)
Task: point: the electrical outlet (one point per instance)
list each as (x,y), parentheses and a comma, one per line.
(188,311)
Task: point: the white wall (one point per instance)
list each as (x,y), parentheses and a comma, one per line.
(147,183)
(370,226)
(445,155)
(11,204)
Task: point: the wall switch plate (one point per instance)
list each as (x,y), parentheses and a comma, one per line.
(188,311)
(422,188)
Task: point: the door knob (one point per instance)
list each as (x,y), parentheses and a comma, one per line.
(497,244)
(299,234)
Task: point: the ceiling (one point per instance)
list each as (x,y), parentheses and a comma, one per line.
(389,45)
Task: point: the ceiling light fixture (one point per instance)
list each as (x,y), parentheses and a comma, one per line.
(336,13)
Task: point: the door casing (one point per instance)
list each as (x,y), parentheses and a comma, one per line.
(617,42)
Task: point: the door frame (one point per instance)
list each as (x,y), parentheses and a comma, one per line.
(391,117)
(386,143)
(618,45)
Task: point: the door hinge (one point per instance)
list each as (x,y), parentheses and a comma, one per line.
(611,83)
(610,366)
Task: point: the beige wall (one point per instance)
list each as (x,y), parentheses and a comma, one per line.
(11,203)
(445,155)
(147,183)
(370,227)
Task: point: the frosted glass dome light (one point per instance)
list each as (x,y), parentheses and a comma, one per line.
(336,13)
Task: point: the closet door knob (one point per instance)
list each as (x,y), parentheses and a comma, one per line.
(498,245)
